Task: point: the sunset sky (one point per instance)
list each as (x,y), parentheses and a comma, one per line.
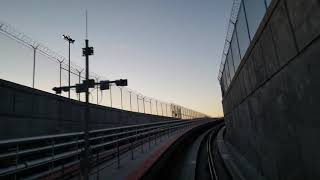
(167,49)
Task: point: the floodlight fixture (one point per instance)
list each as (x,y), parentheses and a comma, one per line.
(68,38)
(87,51)
(90,83)
(122,82)
(57,90)
(104,85)
(80,88)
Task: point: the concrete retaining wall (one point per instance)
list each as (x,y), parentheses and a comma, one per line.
(272,104)
(28,112)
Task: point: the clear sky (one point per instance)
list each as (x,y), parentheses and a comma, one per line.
(168,49)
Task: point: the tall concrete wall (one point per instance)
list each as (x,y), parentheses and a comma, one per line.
(28,112)
(271,108)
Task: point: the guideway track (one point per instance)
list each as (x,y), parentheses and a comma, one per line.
(210,152)
(181,160)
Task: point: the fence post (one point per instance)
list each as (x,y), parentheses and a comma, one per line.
(97,79)
(138,102)
(161,109)
(150,107)
(166,109)
(60,63)
(130,101)
(34,64)
(157,107)
(121,98)
(144,108)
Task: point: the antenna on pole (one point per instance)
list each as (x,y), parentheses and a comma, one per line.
(86,24)
(87,51)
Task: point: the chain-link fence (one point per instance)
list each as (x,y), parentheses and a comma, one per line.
(30,63)
(245,18)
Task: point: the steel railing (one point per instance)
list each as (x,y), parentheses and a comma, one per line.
(56,155)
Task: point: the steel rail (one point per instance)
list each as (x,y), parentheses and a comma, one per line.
(213,173)
(63,135)
(29,151)
(70,145)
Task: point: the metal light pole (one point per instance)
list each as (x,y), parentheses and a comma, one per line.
(70,41)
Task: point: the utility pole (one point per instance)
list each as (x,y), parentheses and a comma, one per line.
(84,88)
(87,51)
(86,119)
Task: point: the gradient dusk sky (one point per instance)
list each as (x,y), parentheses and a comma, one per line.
(167,49)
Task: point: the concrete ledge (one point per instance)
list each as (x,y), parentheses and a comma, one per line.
(236,164)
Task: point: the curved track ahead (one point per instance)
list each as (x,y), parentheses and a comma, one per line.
(206,167)
(194,157)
